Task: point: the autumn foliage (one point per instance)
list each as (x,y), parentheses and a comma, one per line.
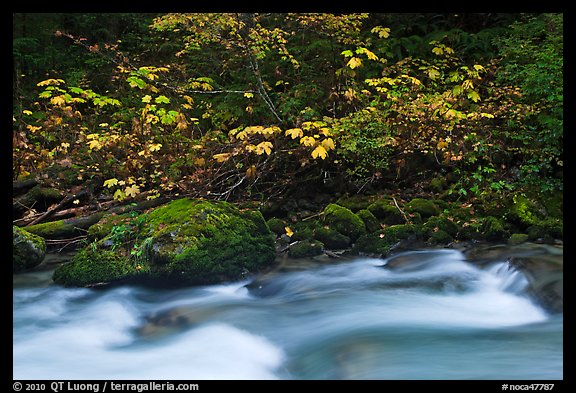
(248,105)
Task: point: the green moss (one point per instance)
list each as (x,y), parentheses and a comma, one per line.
(546,230)
(304,230)
(207,242)
(381,242)
(385,211)
(89,267)
(370,221)
(50,230)
(440,237)
(103,227)
(356,202)
(438,184)
(344,221)
(28,250)
(425,207)
(436,223)
(522,212)
(493,229)
(332,239)
(186,241)
(517,238)
(306,248)
(277,225)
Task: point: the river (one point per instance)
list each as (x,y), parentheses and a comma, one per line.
(437,316)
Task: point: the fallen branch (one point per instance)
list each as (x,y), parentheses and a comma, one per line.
(401,211)
(50,212)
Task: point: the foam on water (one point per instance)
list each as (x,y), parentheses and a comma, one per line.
(362,310)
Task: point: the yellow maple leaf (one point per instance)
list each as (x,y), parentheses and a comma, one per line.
(437,50)
(242,135)
(307,141)
(294,133)
(50,82)
(155,146)
(58,100)
(222,157)
(132,190)
(264,147)
(33,128)
(289,231)
(110,182)
(328,144)
(319,151)
(442,145)
(199,161)
(354,62)
(94,144)
(269,131)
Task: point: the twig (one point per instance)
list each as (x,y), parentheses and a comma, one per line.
(401,211)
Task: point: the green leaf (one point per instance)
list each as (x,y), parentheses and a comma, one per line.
(347,53)
(110,182)
(136,82)
(162,100)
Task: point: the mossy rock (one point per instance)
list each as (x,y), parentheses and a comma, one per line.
(546,230)
(202,242)
(440,237)
(304,230)
(91,267)
(438,184)
(103,227)
(185,242)
(344,221)
(370,221)
(277,225)
(28,250)
(517,238)
(493,229)
(356,202)
(332,239)
(444,224)
(382,242)
(425,207)
(306,248)
(386,212)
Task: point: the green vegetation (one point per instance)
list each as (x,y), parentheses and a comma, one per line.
(186,241)
(343,129)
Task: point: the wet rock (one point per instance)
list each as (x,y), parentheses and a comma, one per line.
(28,250)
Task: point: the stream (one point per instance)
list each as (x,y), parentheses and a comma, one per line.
(422,314)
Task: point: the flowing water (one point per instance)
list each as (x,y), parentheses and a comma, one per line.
(426,314)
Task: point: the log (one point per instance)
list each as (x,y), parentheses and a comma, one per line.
(20,187)
(78,226)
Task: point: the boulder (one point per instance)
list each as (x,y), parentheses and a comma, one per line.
(187,241)
(28,250)
(344,221)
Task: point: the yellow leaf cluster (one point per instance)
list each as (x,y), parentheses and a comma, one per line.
(294,133)
(354,62)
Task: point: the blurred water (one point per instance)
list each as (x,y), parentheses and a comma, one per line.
(420,315)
